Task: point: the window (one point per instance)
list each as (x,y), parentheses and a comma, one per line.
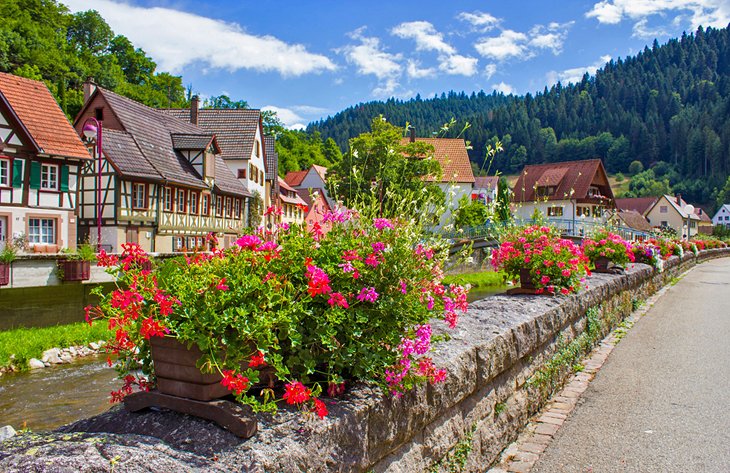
(663,209)
(4,173)
(597,211)
(581,211)
(594,191)
(250,171)
(42,230)
(193,202)
(139,196)
(545,191)
(178,243)
(261,177)
(258,148)
(191,242)
(99,113)
(167,199)
(206,204)
(242,174)
(218,205)
(664,223)
(49,177)
(228,207)
(555,211)
(237,206)
(180,201)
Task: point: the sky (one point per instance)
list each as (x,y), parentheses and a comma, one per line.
(310,59)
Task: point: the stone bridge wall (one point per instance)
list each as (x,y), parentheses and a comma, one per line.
(473,415)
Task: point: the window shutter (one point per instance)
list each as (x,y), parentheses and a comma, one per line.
(64,178)
(17,173)
(35,175)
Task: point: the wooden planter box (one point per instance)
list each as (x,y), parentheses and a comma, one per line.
(4,274)
(74,270)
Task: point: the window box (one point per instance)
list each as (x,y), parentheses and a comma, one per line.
(74,269)
(4,274)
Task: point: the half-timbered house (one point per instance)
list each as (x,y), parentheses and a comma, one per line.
(40,155)
(240,134)
(163,182)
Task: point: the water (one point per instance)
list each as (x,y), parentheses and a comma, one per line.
(478,293)
(49,398)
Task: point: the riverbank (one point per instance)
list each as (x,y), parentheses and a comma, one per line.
(478,279)
(23,349)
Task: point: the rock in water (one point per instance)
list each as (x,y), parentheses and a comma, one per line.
(6,432)
(35,363)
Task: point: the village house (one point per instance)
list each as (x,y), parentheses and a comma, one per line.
(291,204)
(722,217)
(485,189)
(164,184)
(240,135)
(573,194)
(40,156)
(704,225)
(670,212)
(272,191)
(317,207)
(310,179)
(457,177)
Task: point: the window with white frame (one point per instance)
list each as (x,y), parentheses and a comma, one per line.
(180,200)
(228,206)
(42,230)
(206,204)
(218,205)
(167,199)
(193,202)
(237,206)
(555,212)
(49,177)
(4,173)
(139,196)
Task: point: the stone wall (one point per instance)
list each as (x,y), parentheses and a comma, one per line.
(471,417)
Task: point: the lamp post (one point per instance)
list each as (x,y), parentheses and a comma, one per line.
(92,131)
(689,209)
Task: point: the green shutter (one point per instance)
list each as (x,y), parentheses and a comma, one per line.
(35,175)
(64,178)
(17,173)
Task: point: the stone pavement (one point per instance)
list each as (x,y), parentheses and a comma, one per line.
(659,404)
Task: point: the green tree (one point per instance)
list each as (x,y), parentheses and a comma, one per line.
(635,167)
(331,151)
(223,101)
(503,200)
(470,213)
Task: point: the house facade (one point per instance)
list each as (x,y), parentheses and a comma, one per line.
(164,184)
(240,135)
(317,206)
(40,157)
(485,189)
(292,206)
(310,180)
(722,217)
(669,212)
(574,194)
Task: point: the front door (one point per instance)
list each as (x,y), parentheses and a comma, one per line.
(133,235)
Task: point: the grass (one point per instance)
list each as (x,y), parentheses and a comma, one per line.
(27,343)
(619,188)
(481,279)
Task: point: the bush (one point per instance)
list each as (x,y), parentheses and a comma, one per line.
(619,177)
(635,167)
(604,244)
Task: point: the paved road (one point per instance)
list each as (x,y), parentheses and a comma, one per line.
(661,402)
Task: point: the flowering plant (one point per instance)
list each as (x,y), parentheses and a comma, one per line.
(709,243)
(666,246)
(554,264)
(316,308)
(647,253)
(604,244)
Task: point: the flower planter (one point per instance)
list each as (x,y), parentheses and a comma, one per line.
(526,280)
(601,264)
(74,270)
(4,274)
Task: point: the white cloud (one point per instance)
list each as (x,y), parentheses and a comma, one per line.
(370,58)
(481,21)
(490,70)
(575,74)
(458,65)
(506,89)
(288,117)
(641,30)
(425,36)
(310,110)
(702,12)
(415,71)
(508,44)
(176,39)
(550,37)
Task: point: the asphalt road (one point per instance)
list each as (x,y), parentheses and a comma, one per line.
(661,402)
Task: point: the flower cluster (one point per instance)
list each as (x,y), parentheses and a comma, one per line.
(311,309)
(604,244)
(554,264)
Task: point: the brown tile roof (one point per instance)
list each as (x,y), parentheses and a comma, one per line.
(486,182)
(452,156)
(700,212)
(286,186)
(122,151)
(572,180)
(189,141)
(235,129)
(639,204)
(226,182)
(295,178)
(635,220)
(39,112)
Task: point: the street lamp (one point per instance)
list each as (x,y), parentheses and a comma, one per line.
(92,131)
(690,209)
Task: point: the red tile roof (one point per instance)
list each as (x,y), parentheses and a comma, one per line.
(572,180)
(635,220)
(452,156)
(295,178)
(486,182)
(639,204)
(39,112)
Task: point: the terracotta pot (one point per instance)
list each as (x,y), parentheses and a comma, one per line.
(178,375)
(526,279)
(74,270)
(4,274)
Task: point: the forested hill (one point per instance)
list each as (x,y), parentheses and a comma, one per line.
(669,103)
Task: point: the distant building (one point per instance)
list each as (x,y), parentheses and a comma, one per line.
(457,178)
(317,206)
(292,205)
(40,159)
(165,185)
(704,226)
(310,179)
(631,219)
(485,189)
(571,193)
(722,217)
(637,204)
(669,212)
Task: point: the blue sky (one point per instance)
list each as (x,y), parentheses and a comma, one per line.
(307,60)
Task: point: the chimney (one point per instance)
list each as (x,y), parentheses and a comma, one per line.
(679,199)
(699,211)
(194,104)
(89,88)
(413,134)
